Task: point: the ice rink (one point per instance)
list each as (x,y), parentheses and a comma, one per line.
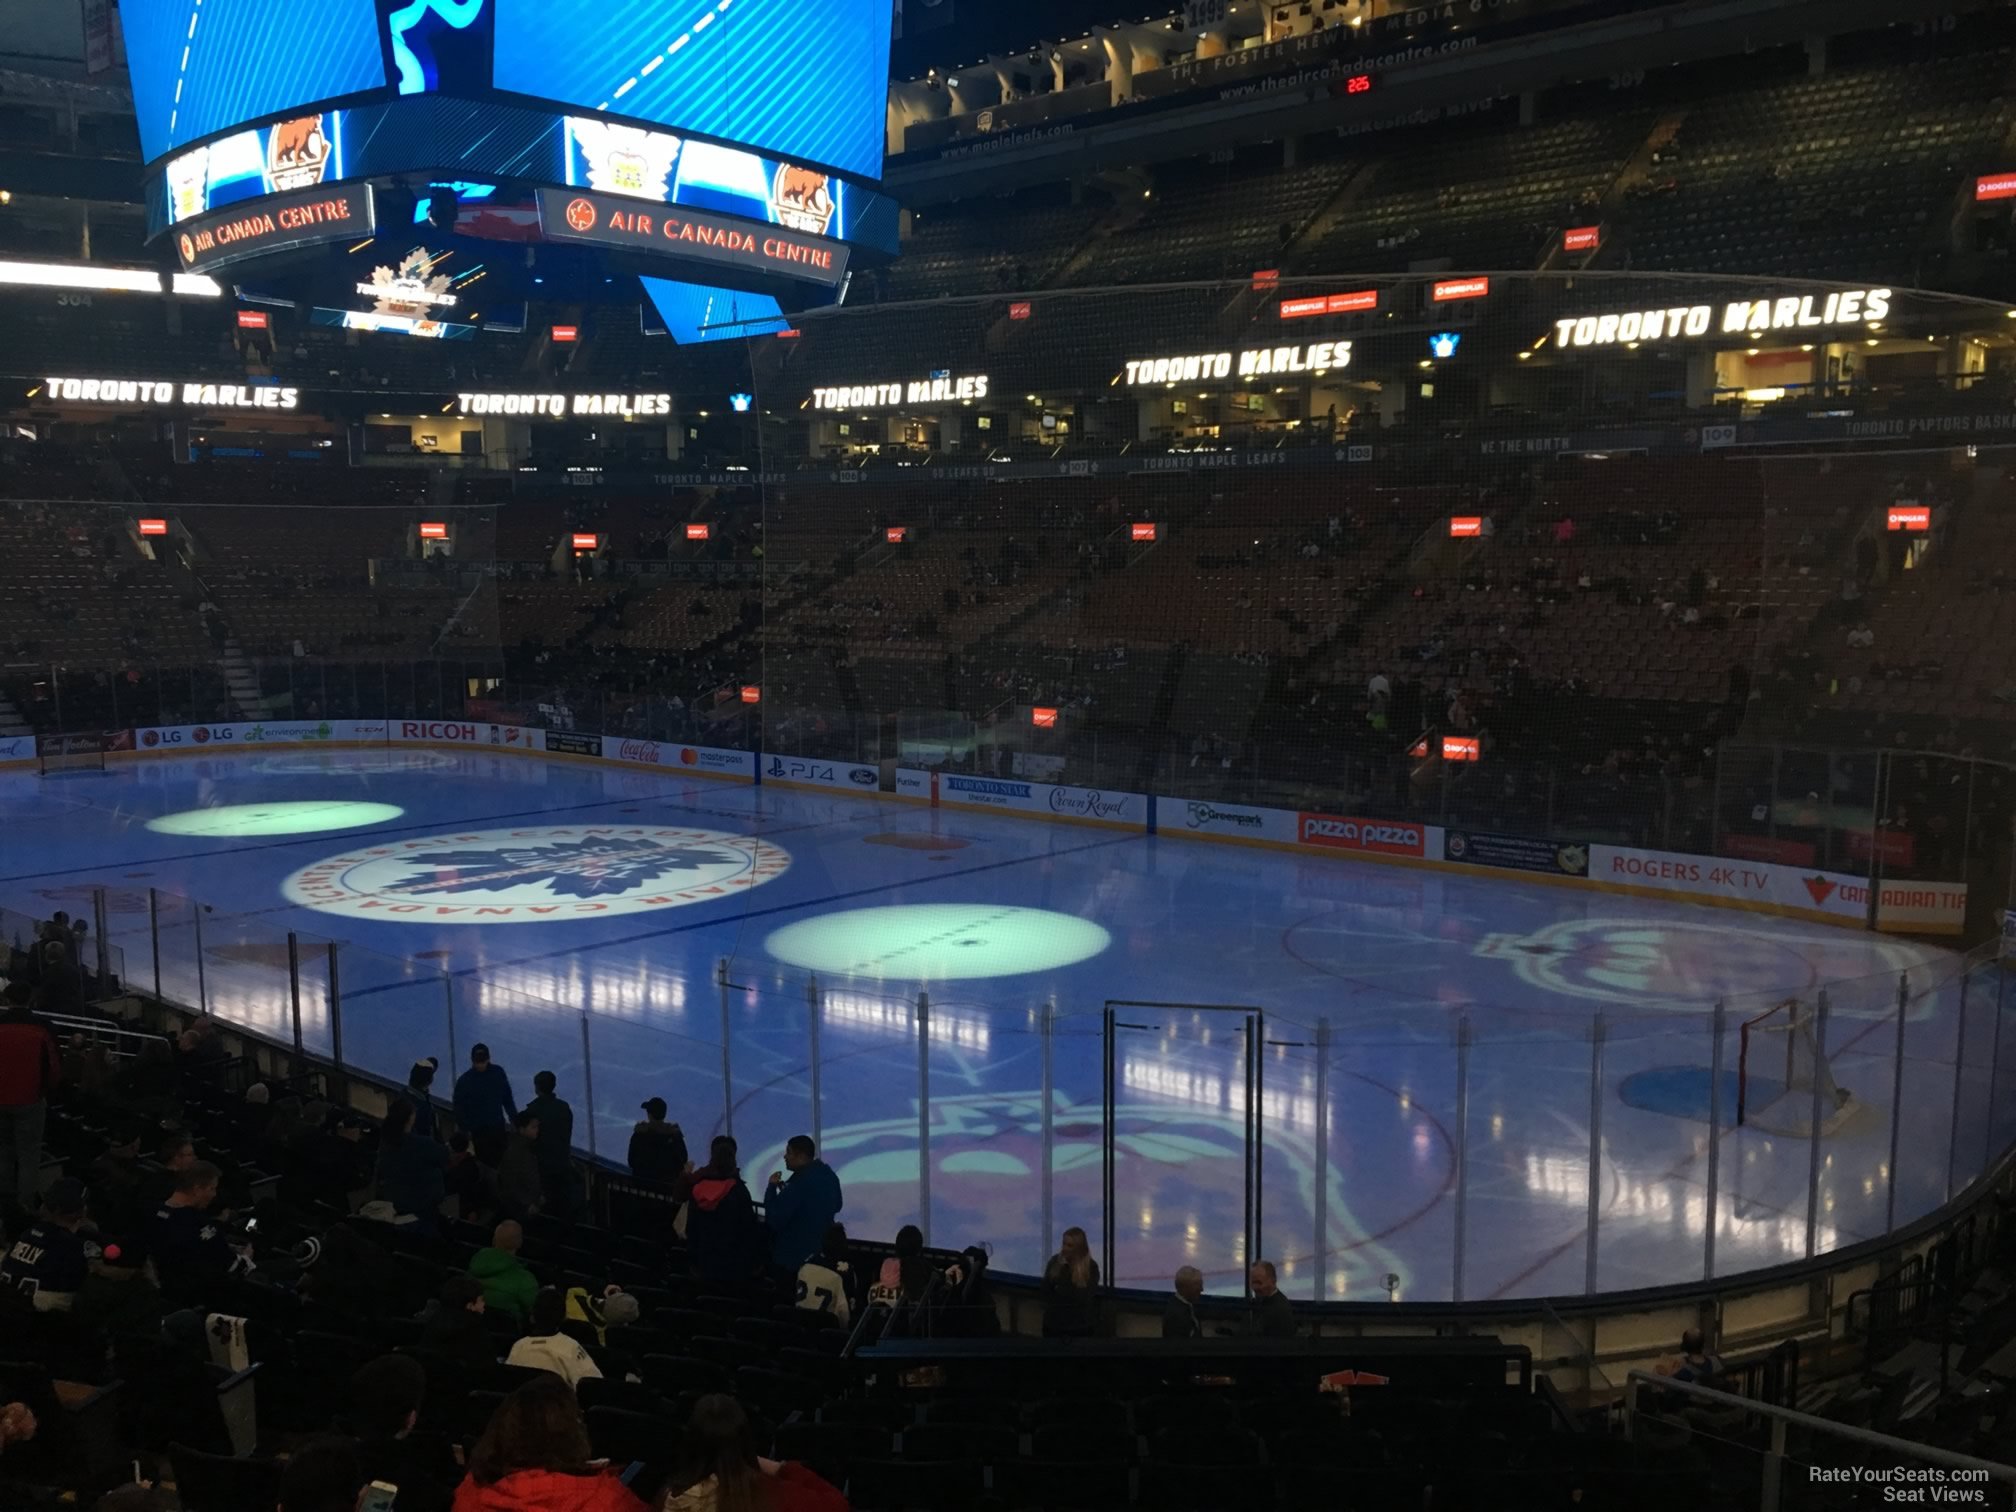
(577,917)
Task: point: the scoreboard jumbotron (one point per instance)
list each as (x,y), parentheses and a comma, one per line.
(735,142)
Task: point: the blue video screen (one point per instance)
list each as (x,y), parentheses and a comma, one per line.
(700,312)
(199,66)
(804,79)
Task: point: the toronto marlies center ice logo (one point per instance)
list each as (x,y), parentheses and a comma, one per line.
(526,875)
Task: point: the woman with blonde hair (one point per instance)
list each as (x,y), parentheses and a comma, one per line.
(1071,1290)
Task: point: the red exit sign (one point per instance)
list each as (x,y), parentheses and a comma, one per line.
(585,542)
(699,532)
(896,535)
(434,530)
(1043,719)
(153,527)
(1141,531)
(1466,525)
(751,693)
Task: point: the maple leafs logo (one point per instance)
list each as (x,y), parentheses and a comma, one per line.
(409,289)
(596,868)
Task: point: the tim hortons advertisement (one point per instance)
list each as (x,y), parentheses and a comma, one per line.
(700,761)
(1011,795)
(467,732)
(1385,837)
(1908,907)
(807,771)
(1225,821)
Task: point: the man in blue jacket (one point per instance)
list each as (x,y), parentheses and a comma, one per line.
(799,1208)
(484,1105)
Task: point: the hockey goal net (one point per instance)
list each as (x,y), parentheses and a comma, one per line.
(1778,1067)
(76,752)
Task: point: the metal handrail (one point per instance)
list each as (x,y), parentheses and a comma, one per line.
(1783,1417)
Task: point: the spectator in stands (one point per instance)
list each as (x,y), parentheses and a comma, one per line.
(508,1284)
(828,1282)
(1179,1318)
(175,1154)
(1071,1289)
(419,1085)
(46,1264)
(799,1210)
(722,1235)
(723,1473)
(1697,1367)
(385,1398)
(484,1104)
(521,1185)
(546,1346)
(455,1327)
(657,1148)
(412,1169)
(321,1476)
(17,1424)
(30,1068)
(535,1457)
(465,1179)
(191,1259)
(593,1317)
(553,1144)
(1270,1316)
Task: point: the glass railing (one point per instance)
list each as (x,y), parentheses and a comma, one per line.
(1681,1140)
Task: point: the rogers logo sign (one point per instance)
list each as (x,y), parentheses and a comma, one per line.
(1386,837)
(639,750)
(435,730)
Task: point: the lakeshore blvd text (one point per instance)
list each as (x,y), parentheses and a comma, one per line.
(1913,1485)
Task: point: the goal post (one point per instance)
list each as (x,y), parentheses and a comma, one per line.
(1779,1063)
(74,751)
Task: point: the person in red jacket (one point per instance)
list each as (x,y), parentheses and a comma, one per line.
(723,1473)
(535,1457)
(30,1066)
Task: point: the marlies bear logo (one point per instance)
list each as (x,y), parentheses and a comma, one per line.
(802,199)
(297,153)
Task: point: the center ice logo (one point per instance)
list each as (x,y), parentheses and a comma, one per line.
(533,875)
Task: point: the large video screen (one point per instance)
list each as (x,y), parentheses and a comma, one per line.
(695,313)
(199,66)
(805,79)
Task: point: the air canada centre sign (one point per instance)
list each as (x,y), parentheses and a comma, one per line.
(275,223)
(675,231)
